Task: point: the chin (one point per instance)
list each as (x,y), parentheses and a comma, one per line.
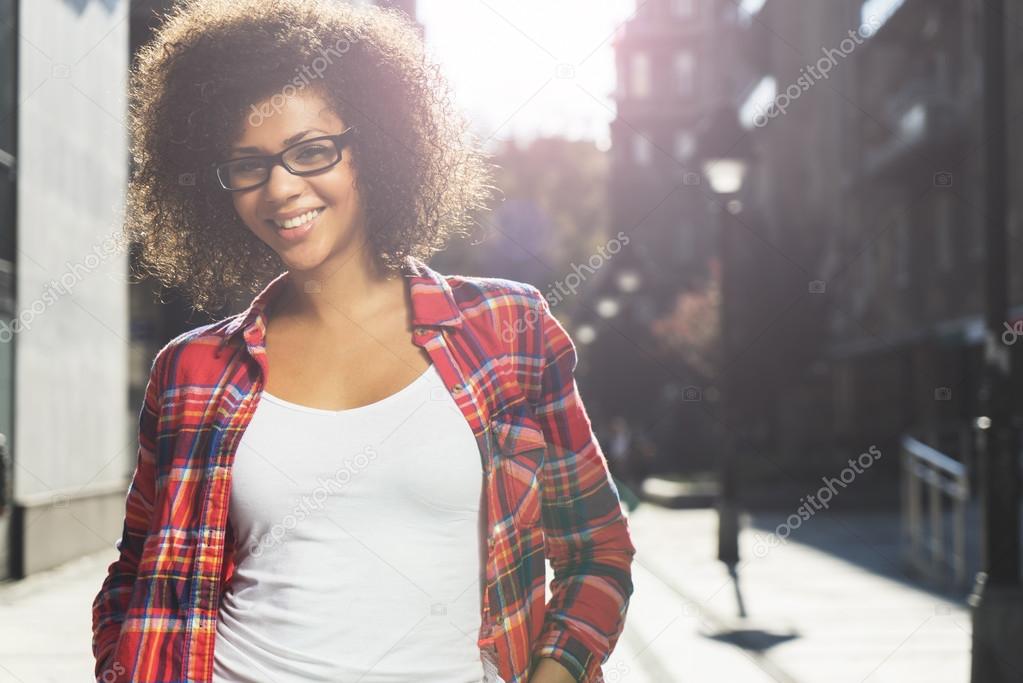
(311,258)
(302,262)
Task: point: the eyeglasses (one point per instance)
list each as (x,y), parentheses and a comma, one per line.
(303,158)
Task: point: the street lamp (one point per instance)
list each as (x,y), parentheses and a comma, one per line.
(725,175)
(725,155)
(608,307)
(629,281)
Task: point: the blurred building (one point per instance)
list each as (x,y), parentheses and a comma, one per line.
(8,189)
(905,337)
(666,82)
(857,259)
(673,68)
(64,417)
(868,198)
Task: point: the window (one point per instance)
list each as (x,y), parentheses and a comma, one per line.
(684,72)
(685,145)
(978,247)
(640,76)
(875,13)
(642,152)
(682,8)
(943,233)
(902,247)
(870,259)
(862,294)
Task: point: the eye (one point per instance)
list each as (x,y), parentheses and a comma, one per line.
(247,165)
(314,153)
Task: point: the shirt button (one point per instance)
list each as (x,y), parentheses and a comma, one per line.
(458,388)
(419,330)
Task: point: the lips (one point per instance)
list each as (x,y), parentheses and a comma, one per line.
(296,219)
(299,230)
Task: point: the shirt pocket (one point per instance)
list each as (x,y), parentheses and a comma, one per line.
(521,451)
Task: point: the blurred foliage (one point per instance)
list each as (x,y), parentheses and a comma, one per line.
(692,328)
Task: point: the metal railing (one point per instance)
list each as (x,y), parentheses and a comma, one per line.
(925,546)
(958,437)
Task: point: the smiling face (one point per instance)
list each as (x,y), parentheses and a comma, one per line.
(327,203)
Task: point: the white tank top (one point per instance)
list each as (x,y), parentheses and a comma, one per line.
(358,544)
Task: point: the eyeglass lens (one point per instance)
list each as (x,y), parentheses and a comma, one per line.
(306,157)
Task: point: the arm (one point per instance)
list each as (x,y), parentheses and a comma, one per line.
(109,605)
(550,671)
(586,534)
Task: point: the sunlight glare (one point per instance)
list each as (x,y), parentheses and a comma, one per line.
(527,68)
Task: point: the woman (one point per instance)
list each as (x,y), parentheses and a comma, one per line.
(379,506)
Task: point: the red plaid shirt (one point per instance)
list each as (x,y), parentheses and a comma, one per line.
(506,361)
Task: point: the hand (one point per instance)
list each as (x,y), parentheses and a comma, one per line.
(551,671)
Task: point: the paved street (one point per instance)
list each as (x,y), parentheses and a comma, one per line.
(46,623)
(811,616)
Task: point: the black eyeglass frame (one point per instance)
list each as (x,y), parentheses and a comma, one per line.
(340,140)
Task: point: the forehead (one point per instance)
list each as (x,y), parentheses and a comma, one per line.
(268,122)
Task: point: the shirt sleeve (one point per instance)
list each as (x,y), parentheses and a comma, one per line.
(587,538)
(110,604)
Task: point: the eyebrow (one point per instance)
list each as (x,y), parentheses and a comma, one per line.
(290,141)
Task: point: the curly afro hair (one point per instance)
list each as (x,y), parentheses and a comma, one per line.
(420,172)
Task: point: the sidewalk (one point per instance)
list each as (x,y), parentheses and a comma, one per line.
(45,632)
(810,615)
(46,622)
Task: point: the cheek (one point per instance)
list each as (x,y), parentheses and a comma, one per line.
(339,188)
(245,208)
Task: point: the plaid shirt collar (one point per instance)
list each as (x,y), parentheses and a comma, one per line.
(433,303)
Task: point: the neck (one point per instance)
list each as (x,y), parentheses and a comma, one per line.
(352,288)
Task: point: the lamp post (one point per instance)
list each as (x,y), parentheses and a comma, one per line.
(725,156)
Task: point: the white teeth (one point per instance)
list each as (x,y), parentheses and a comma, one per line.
(299,220)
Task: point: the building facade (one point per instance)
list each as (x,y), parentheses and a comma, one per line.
(856,268)
(867,118)
(673,70)
(64,416)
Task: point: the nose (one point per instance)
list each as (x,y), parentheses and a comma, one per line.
(282,185)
